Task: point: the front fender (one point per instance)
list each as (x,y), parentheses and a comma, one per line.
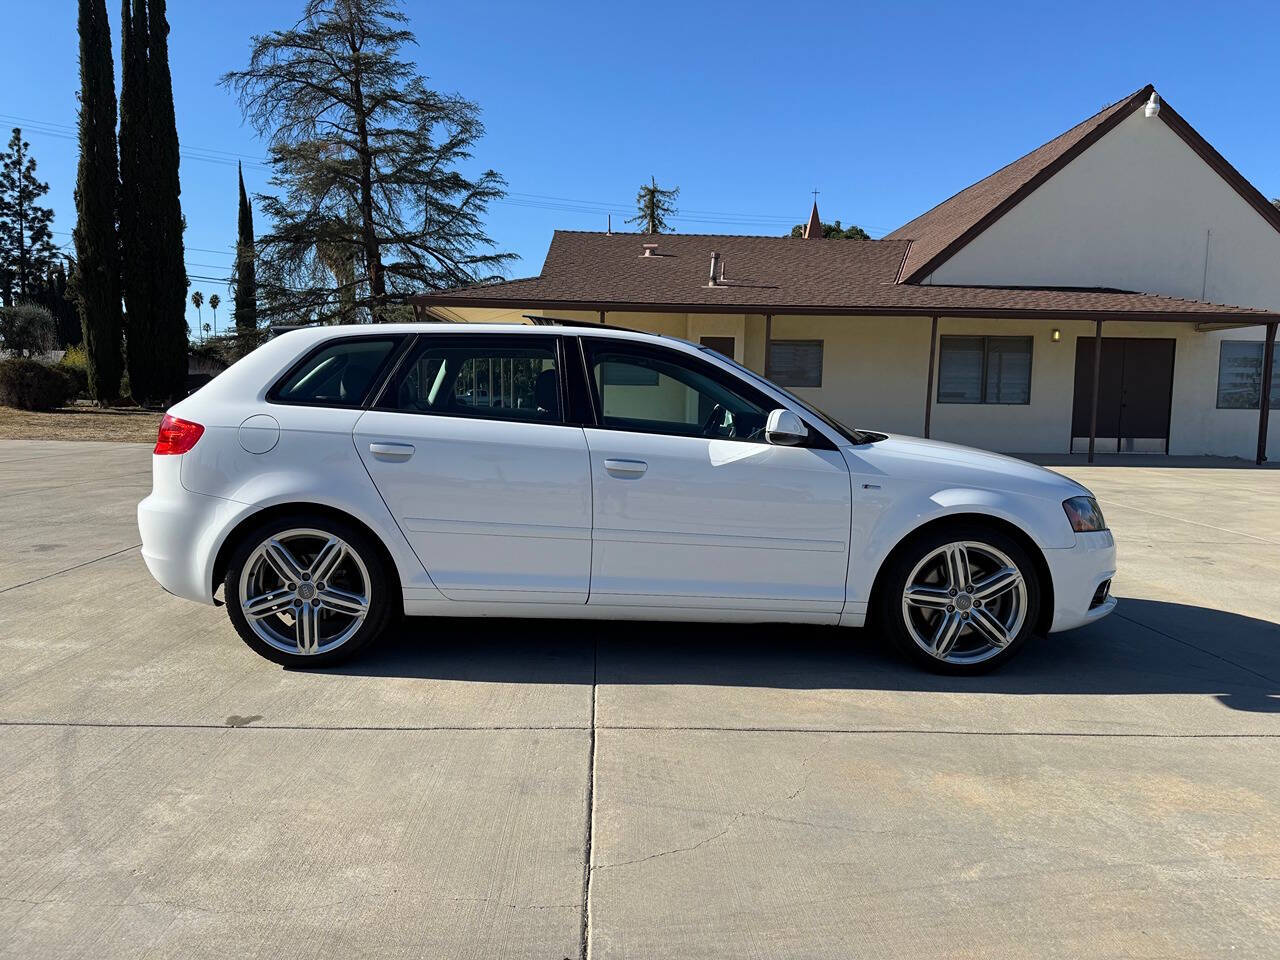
(891,511)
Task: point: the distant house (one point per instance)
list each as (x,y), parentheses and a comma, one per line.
(1127,245)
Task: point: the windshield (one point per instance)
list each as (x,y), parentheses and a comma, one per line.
(849,433)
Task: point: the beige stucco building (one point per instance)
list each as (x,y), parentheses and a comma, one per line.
(1118,283)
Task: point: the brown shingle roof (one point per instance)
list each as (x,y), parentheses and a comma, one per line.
(601,271)
(937,234)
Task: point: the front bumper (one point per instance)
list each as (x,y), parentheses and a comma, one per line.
(1077,572)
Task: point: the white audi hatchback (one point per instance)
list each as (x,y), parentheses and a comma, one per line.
(339,477)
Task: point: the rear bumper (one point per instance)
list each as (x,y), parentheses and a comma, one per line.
(1077,573)
(180,532)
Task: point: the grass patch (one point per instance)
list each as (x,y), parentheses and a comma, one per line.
(127,424)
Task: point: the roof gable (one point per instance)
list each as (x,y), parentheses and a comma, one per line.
(940,232)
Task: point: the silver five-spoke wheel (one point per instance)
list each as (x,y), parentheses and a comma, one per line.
(304,591)
(964,602)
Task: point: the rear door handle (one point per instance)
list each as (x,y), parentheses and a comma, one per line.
(392,452)
(626,468)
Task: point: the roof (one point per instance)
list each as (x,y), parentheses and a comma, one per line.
(939,233)
(609,271)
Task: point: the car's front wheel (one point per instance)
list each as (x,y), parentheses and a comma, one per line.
(962,598)
(307,591)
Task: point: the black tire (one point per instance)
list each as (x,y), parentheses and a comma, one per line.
(891,619)
(383,605)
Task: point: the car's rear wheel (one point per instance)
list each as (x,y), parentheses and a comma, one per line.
(960,599)
(307,591)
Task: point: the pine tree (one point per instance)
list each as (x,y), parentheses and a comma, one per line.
(26,242)
(654,205)
(97,278)
(151,225)
(365,160)
(244,274)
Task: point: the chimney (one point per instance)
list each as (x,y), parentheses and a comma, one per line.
(717,270)
(649,249)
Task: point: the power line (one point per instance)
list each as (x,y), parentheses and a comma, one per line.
(534,201)
(64,131)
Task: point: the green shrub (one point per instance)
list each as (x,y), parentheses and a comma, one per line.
(32,385)
(28,328)
(75,364)
(77,357)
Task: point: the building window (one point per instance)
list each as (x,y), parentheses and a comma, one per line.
(795,363)
(1240,376)
(985,370)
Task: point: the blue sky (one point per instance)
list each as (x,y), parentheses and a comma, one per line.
(886,108)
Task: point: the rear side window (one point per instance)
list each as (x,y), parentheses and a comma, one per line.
(490,377)
(338,374)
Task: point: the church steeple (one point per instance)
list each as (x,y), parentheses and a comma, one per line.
(813,229)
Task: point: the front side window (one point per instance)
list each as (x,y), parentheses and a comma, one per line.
(492,377)
(659,391)
(1240,376)
(984,370)
(337,375)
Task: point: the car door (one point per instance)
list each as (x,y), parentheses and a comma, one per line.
(692,506)
(469,448)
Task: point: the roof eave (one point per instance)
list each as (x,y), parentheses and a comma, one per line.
(1247,317)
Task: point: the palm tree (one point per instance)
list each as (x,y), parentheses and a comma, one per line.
(214,300)
(205,328)
(197,301)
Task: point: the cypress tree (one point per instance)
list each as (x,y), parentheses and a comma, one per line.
(170,369)
(155,280)
(246,310)
(97,191)
(135,231)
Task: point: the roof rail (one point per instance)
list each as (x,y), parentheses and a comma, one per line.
(565,322)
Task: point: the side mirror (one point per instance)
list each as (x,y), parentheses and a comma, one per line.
(785,429)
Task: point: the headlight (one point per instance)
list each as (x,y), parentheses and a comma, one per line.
(1085,514)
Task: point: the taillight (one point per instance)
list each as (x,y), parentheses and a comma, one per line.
(177,435)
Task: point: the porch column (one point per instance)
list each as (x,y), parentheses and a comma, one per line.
(602,318)
(1264,402)
(768,341)
(928,386)
(1097,375)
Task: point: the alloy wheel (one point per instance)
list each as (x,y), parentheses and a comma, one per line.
(964,602)
(305,591)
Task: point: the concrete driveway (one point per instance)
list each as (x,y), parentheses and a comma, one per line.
(510,789)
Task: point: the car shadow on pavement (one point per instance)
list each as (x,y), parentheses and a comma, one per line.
(1145,647)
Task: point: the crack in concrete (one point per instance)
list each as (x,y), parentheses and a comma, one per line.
(759,812)
(58,573)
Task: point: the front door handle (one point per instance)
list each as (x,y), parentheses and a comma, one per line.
(392,452)
(626,468)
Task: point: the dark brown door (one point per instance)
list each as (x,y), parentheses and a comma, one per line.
(1134,395)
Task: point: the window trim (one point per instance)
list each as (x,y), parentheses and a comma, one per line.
(982,387)
(810,341)
(1262,357)
(375,386)
(431,339)
(817,439)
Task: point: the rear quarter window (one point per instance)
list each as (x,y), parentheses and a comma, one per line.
(336,374)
